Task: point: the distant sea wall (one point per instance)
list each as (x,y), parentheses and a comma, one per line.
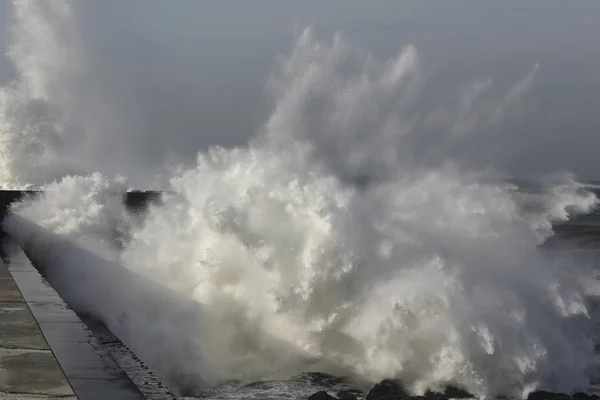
(135,200)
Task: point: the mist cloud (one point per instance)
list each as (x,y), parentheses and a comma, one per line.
(160,83)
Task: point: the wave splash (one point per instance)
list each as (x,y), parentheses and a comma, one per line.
(38,128)
(341,231)
(63,112)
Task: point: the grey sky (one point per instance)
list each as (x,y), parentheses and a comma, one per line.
(193,72)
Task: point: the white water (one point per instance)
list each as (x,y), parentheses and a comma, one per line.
(428,272)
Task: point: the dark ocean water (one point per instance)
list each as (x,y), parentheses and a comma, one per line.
(583,231)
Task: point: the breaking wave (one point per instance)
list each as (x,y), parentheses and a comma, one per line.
(342,231)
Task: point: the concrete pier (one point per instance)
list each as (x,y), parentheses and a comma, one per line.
(46,352)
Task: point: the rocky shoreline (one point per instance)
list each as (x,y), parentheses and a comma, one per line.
(393,390)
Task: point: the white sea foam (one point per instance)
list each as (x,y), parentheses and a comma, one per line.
(332,241)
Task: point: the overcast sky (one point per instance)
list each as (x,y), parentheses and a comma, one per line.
(196,70)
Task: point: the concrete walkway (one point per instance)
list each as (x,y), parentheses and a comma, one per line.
(46,352)
(28,368)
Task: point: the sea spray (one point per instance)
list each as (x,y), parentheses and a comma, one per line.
(431,279)
(342,237)
(61,115)
(37,128)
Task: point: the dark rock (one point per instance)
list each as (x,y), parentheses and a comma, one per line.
(322,395)
(387,390)
(350,394)
(429,395)
(457,393)
(542,395)
(584,396)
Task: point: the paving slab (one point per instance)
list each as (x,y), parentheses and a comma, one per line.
(18,328)
(34,288)
(5,273)
(52,312)
(21,336)
(103,389)
(9,291)
(32,372)
(82,361)
(66,332)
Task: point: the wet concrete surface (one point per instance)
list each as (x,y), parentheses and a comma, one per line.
(28,368)
(29,373)
(9,291)
(46,351)
(18,328)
